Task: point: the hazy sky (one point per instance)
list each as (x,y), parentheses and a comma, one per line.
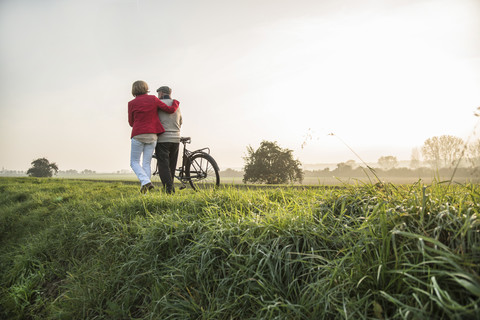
(383,75)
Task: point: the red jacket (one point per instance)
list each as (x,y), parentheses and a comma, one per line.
(142,114)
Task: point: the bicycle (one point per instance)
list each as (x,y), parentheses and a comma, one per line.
(198,168)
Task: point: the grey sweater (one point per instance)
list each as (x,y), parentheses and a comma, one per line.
(171,123)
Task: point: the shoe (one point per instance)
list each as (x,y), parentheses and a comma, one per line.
(170,190)
(147,187)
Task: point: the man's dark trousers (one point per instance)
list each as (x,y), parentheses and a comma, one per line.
(167,154)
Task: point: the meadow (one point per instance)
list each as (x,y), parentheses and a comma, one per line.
(72,249)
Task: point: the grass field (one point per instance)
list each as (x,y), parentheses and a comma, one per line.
(308,181)
(72,249)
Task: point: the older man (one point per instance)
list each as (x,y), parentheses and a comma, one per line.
(169,141)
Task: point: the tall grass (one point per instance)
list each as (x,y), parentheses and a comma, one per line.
(92,250)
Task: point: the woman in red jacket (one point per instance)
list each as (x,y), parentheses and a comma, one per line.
(143,118)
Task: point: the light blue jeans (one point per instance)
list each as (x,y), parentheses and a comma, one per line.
(143,171)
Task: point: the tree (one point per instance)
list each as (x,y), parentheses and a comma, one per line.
(442,151)
(41,167)
(271,164)
(351,163)
(344,167)
(474,153)
(415,159)
(387,162)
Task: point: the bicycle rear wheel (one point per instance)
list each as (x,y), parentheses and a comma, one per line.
(202,172)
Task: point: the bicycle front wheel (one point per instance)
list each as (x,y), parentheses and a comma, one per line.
(202,172)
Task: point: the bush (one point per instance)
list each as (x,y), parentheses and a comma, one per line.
(272,165)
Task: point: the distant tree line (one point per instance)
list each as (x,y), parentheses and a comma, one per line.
(232,173)
(12,173)
(43,168)
(75,172)
(361,171)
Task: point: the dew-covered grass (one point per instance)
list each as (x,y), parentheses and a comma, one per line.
(94,250)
